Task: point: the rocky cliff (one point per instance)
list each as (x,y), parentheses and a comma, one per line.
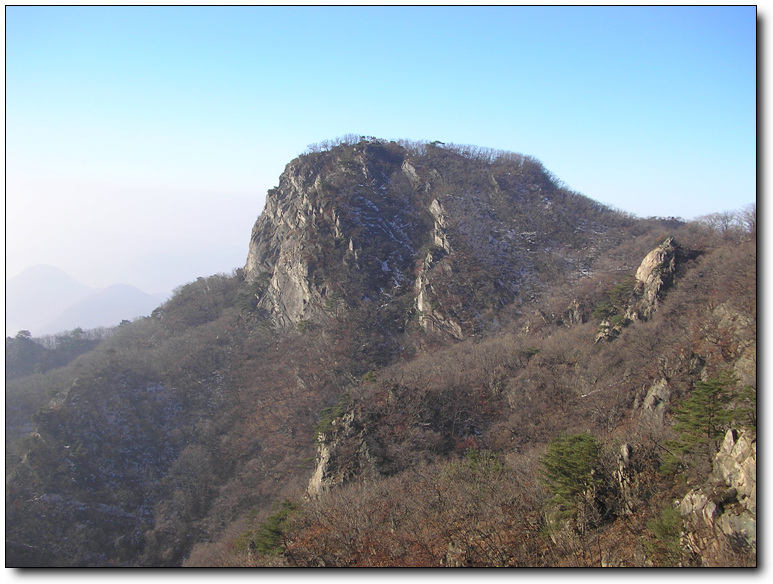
(654,276)
(336,219)
(442,233)
(342,454)
(721,516)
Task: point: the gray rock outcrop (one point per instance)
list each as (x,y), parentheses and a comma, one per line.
(653,409)
(653,277)
(342,455)
(335,231)
(721,516)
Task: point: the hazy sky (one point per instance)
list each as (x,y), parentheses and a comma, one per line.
(140,142)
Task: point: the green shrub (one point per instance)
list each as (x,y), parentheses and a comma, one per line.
(603,310)
(267,538)
(529,352)
(663,544)
(483,460)
(305,326)
(616,300)
(330,413)
(333,302)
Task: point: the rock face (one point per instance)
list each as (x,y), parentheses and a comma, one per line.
(342,453)
(625,478)
(572,315)
(656,401)
(429,232)
(721,517)
(341,228)
(654,276)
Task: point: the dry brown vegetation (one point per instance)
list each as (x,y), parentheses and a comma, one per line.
(456,435)
(177,438)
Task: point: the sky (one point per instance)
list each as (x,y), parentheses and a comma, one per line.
(141,141)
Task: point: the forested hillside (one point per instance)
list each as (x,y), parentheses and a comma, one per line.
(434,355)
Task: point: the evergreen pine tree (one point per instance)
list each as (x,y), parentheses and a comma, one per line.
(702,420)
(570,473)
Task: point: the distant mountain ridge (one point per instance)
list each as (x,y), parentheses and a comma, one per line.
(46,300)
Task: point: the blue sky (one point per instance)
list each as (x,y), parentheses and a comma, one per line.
(140,142)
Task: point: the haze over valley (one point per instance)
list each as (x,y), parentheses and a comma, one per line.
(45,300)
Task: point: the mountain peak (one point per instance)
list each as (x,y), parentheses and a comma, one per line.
(388,223)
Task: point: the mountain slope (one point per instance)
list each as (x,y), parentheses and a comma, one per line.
(414,325)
